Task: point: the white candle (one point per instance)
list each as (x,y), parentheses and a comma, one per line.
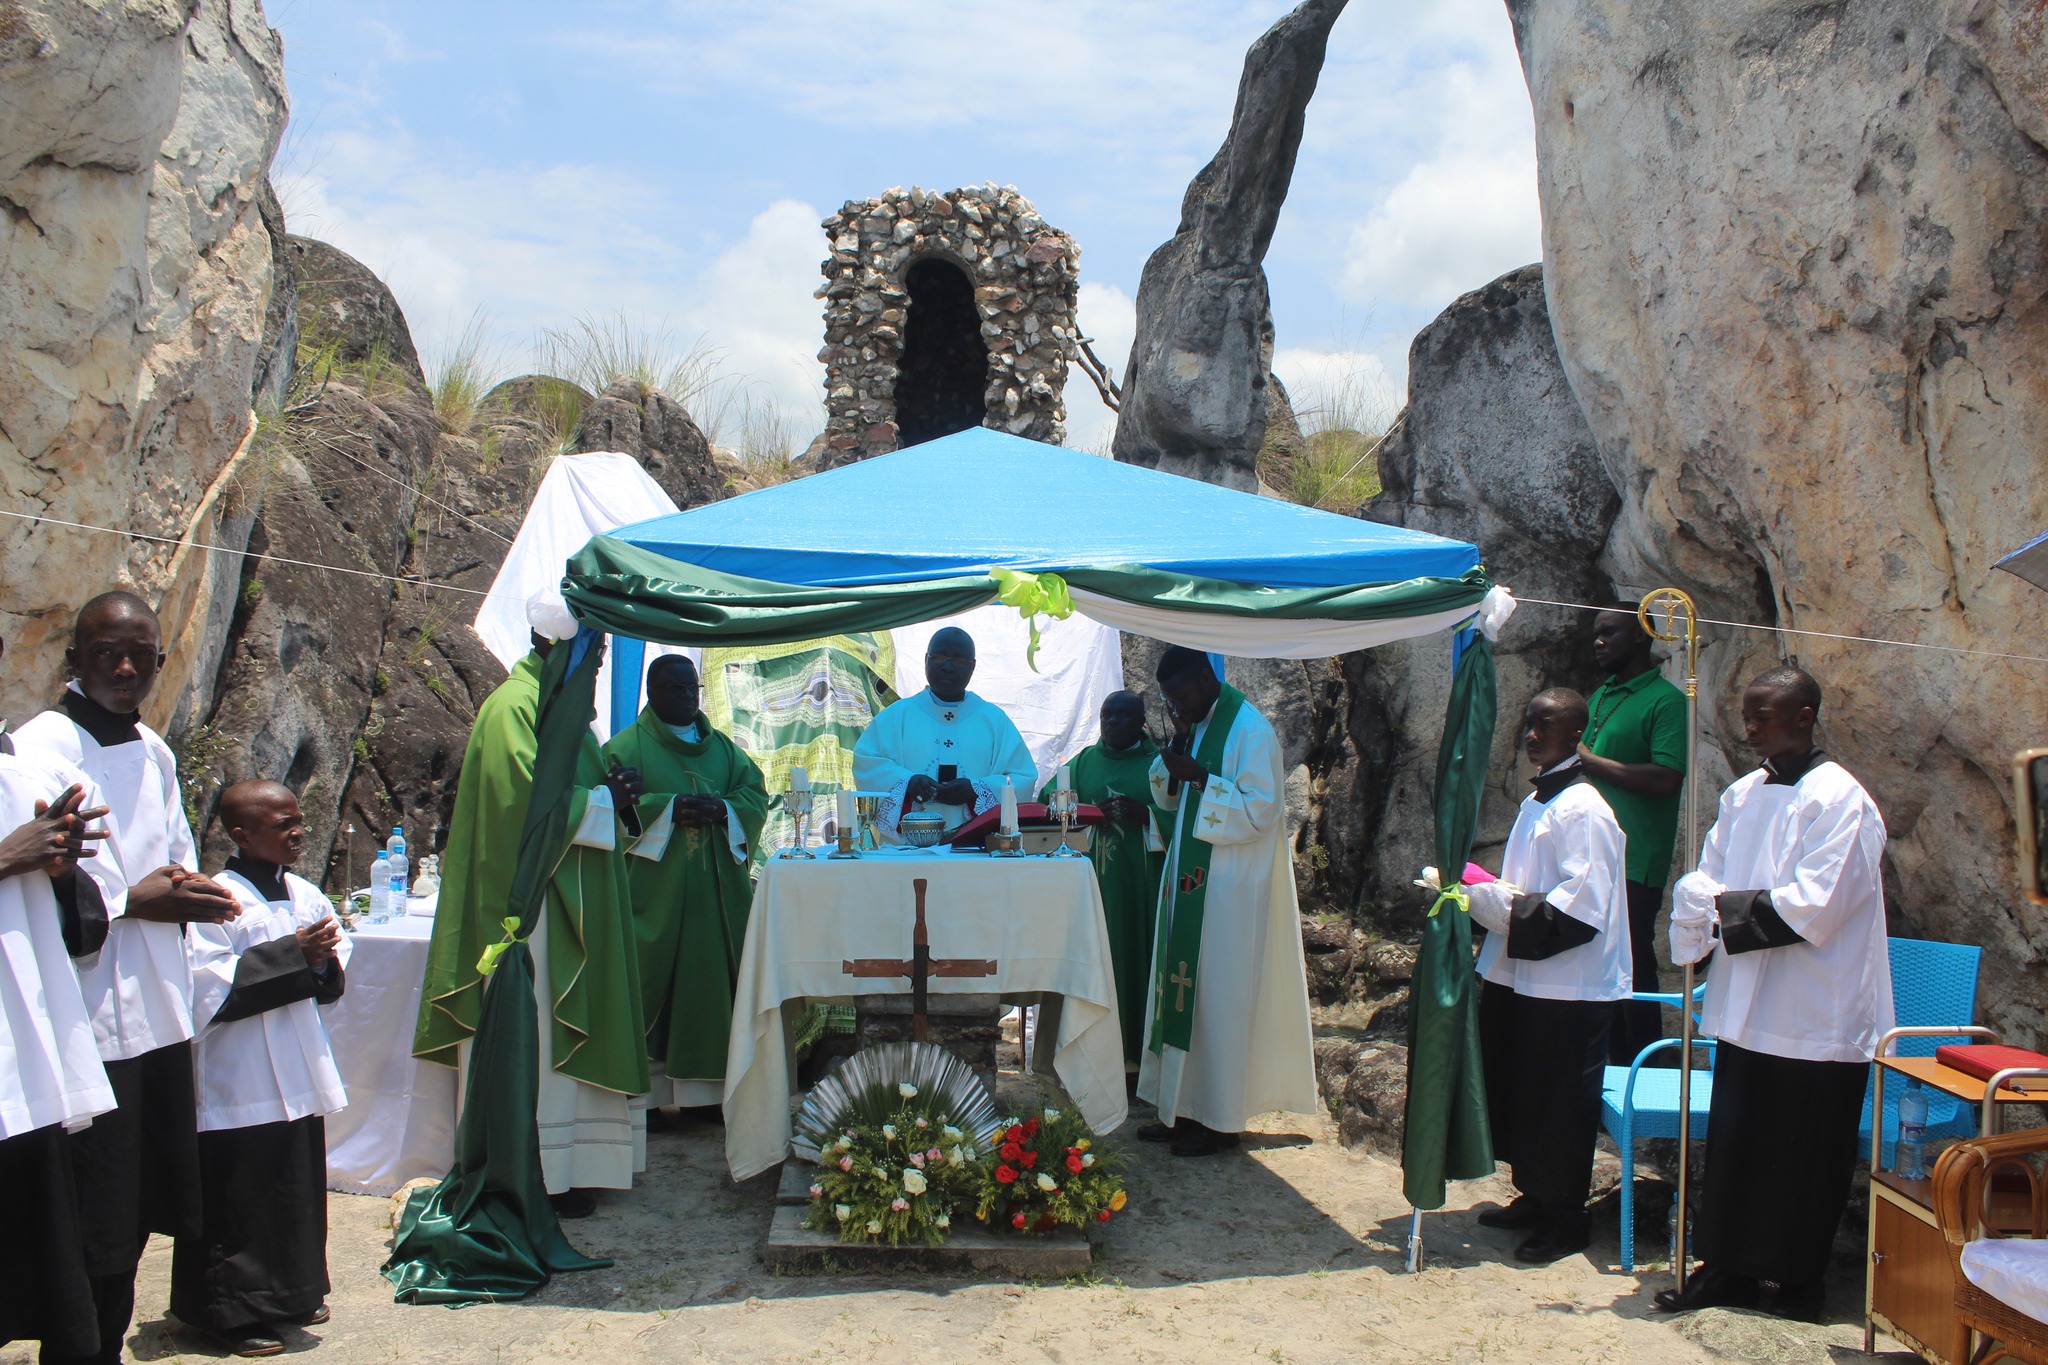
(844,800)
(1009,807)
(799,779)
(1065,781)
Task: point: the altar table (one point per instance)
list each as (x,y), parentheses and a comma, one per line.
(1039,918)
(400,1121)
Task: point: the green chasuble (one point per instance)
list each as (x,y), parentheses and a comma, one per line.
(690,900)
(1127,873)
(592,964)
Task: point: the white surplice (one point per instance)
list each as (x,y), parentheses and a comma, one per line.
(139,986)
(1572,852)
(1251,1049)
(917,734)
(273,1067)
(51,1071)
(1817,845)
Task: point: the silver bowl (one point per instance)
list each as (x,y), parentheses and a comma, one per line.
(922,831)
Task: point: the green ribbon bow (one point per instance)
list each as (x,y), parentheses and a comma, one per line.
(1033,595)
(1456,895)
(488,963)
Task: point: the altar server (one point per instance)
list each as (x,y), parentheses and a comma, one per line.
(701,814)
(1227,1021)
(137,1167)
(943,727)
(1114,775)
(1788,904)
(266,1077)
(586,980)
(1556,959)
(50,912)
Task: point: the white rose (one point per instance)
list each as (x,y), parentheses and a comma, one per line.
(906,1090)
(1052,1116)
(1045,1182)
(874,1225)
(956,1157)
(914,1182)
(889,1131)
(1087,1158)
(842,1212)
(944,1220)
(951,1134)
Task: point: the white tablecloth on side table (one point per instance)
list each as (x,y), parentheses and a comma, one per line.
(1039,918)
(400,1121)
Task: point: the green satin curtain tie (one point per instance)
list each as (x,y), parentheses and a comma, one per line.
(488,963)
(1033,595)
(1455,894)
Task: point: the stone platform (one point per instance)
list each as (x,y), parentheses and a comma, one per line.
(793,1249)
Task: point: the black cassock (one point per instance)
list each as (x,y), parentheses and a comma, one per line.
(263,1257)
(45,1292)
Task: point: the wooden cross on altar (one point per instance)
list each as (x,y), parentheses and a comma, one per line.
(921,967)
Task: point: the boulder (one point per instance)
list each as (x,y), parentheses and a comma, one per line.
(657,431)
(1364,1080)
(349,310)
(139,269)
(1491,449)
(1194,399)
(1797,257)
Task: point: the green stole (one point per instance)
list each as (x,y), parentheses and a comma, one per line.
(1178,954)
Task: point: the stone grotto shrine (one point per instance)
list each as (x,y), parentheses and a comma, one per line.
(944,312)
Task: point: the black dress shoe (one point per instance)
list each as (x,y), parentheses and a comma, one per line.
(1709,1288)
(1523,1212)
(1555,1241)
(1800,1302)
(1157,1132)
(312,1319)
(573,1203)
(1195,1139)
(252,1340)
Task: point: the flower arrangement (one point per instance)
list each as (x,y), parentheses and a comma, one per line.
(1045,1172)
(897,1181)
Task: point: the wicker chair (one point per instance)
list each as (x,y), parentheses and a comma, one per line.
(1986,1187)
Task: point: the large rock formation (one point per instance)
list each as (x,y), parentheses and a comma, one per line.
(1491,449)
(134,140)
(1797,258)
(1195,388)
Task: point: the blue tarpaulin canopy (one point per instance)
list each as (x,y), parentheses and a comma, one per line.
(2030,561)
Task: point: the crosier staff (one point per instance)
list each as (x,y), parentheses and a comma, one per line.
(1671,604)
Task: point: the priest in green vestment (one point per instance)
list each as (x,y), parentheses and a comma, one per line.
(586,973)
(1114,774)
(690,879)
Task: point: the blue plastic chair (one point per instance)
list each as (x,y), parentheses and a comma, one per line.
(1932,984)
(1636,1102)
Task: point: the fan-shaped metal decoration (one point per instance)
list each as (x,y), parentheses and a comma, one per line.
(864,1090)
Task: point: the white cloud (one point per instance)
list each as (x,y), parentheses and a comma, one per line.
(1450,226)
(1338,388)
(754,303)
(1109,317)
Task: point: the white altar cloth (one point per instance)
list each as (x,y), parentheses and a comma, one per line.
(1039,918)
(400,1121)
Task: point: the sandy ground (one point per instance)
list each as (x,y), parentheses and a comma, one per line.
(1289,1250)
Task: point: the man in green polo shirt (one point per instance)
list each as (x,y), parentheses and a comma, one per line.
(1634,750)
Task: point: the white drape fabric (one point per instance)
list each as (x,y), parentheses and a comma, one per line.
(1272,637)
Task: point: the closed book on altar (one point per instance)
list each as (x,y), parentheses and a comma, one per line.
(1985,1060)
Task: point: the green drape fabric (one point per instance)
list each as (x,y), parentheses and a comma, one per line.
(1446,1136)
(630,591)
(486,1233)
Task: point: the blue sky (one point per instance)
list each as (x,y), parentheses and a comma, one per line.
(527,163)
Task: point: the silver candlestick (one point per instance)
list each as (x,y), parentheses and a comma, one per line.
(1064,806)
(798,803)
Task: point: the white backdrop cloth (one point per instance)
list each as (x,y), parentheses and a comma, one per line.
(1058,708)
(581,496)
(400,1121)
(1274,637)
(1039,918)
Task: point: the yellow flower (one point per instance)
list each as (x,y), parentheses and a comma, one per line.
(1117,1202)
(1083,1145)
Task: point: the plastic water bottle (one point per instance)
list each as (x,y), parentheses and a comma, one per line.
(1910,1161)
(395,852)
(380,890)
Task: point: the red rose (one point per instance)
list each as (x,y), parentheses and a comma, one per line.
(1017,1221)
(1029,1159)
(1016,1133)
(1009,1151)
(1073,1163)
(1006,1175)
(1030,1127)
(1103,1216)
